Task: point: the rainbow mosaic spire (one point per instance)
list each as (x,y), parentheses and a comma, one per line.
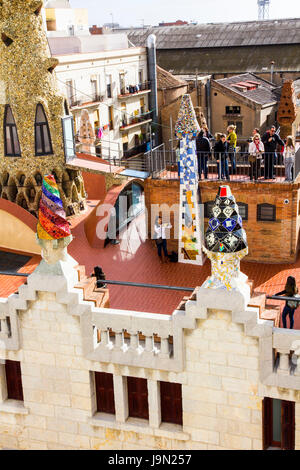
(190,237)
(52,224)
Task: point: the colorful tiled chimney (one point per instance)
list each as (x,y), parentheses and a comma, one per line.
(225,242)
(190,236)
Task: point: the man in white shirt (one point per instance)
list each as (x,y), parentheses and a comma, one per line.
(161,239)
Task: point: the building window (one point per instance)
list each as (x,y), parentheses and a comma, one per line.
(171,403)
(122,83)
(137,398)
(233,110)
(105,393)
(278,424)
(108,86)
(14,380)
(243,210)
(111,117)
(141,76)
(94,87)
(208,208)
(43,144)
(266,212)
(71,92)
(239,126)
(11,140)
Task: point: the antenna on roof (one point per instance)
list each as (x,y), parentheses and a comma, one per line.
(263,9)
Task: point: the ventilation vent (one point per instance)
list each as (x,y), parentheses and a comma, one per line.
(7,40)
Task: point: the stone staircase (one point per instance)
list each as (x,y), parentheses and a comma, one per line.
(266,310)
(91,292)
(258,301)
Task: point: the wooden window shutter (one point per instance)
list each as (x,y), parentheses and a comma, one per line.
(171,403)
(105,392)
(138,398)
(288,425)
(267,423)
(14,380)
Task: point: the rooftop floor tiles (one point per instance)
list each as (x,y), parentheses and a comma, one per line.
(135,260)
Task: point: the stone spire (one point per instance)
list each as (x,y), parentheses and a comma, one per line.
(32,106)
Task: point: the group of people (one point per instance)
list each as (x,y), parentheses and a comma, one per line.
(265,149)
(262,151)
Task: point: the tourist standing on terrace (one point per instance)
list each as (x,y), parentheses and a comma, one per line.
(231,140)
(221,156)
(203,152)
(289,158)
(161,239)
(256,149)
(270,140)
(290,290)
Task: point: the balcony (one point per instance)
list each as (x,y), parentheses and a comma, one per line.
(134,90)
(86,101)
(135,150)
(134,121)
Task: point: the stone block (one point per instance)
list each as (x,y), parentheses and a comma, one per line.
(231,441)
(238,360)
(43,435)
(231,384)
(234,413)
(205,436)
(76,441)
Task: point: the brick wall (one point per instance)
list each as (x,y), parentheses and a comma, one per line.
(270,242)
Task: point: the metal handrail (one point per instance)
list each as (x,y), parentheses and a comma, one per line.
(150,286)
(283,298)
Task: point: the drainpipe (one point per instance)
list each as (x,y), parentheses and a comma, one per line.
(272,70)
(208,103)
(152,73)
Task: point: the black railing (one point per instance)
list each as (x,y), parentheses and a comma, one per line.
(135,150)
(239,166)
(135,120)
(133,89)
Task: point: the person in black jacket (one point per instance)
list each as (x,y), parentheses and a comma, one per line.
(203,152)
(290,290)
(220,152)
(270,140)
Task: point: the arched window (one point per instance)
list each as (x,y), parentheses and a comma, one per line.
(11,140)
(43,144)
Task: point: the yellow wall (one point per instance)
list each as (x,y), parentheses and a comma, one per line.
(15,235)
(50,14)
(81,16)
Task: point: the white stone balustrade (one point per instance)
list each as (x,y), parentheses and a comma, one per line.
(133,339)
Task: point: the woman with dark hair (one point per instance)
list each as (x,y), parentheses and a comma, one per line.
(290,290)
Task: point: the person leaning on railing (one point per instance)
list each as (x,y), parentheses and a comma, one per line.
(270,140)
(289,158)
(221,156)
(231,140)
(290,290)
(203,152)
(256,149)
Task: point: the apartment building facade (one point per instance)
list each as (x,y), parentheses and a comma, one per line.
(112,85)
